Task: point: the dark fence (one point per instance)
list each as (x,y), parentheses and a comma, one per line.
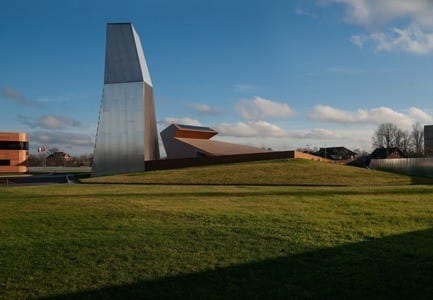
(411,166)
(165,164)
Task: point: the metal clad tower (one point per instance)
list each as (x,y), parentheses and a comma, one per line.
(127,134)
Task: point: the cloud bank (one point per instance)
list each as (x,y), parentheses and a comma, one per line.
(205,109)
(14,95)
(410,40)
(379,115)
(370,13)
(262,109)
(416,37)
(49,122)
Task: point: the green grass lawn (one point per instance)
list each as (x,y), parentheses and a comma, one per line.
(126,241)
(274,172)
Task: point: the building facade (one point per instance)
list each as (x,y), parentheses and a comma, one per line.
(428,140)
(127,133)
(336,153)
(186,141)
(14,152)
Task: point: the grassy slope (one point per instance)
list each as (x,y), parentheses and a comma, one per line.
(129,241)
(275,172)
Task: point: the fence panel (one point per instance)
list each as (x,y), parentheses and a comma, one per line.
(422,166)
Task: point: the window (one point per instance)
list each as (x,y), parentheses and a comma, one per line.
(5,162)
(5,145)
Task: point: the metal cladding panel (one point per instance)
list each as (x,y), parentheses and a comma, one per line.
(411,166)
(127,133)
(151,132)
(120,144)
(122,56)
(141,59)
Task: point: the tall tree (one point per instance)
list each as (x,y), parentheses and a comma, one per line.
(385,136)
(402,140)
(53,150)
(417,139)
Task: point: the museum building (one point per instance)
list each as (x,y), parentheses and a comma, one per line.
(14,151)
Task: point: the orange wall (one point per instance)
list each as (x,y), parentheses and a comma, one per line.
(303,155)
(18,158)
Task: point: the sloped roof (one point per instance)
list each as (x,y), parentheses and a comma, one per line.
(385,152)
(211,147)
(337,149)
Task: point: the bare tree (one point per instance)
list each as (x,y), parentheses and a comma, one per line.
(417,139)
(402,140)
(385,136)
(53,150)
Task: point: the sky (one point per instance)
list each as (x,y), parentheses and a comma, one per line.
(276,74)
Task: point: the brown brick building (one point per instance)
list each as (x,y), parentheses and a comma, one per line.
(14,151)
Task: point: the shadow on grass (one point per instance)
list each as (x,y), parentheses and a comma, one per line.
(218,194)
(421,180)
(395,267)
(413,181)
(376,191)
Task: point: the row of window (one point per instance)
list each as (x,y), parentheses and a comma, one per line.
(5,162)
(14,145)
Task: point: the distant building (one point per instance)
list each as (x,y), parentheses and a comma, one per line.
(59,159)
(14,152)
(382,153)
(336,153)
(186,141)
(428,140)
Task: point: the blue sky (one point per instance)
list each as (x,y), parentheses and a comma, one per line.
(279,74)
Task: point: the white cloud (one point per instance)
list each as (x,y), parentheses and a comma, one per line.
(302,12)
(416,37)
(49,122)
(250,129)
(375,12)
(11,94)
(205,109)
(74,142)
(420,115)
(358,40)
(410,40)
(372,116)
(318,134)
(185,121)
(351,138)
(243,88)
(265,130)
(262,109)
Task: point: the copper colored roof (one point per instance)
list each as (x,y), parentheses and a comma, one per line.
(211,147)
(194,132)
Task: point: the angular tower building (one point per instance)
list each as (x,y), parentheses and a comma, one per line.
(127,134)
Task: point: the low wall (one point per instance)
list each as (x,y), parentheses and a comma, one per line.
(165,164)
(309,156)
(422,166)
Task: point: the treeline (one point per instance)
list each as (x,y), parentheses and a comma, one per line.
(59,160)
(389,135)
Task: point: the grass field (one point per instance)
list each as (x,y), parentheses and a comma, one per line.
(274,172)
(108,241)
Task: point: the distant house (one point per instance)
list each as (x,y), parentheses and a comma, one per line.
(382,153)
(336,153)
(59,159)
